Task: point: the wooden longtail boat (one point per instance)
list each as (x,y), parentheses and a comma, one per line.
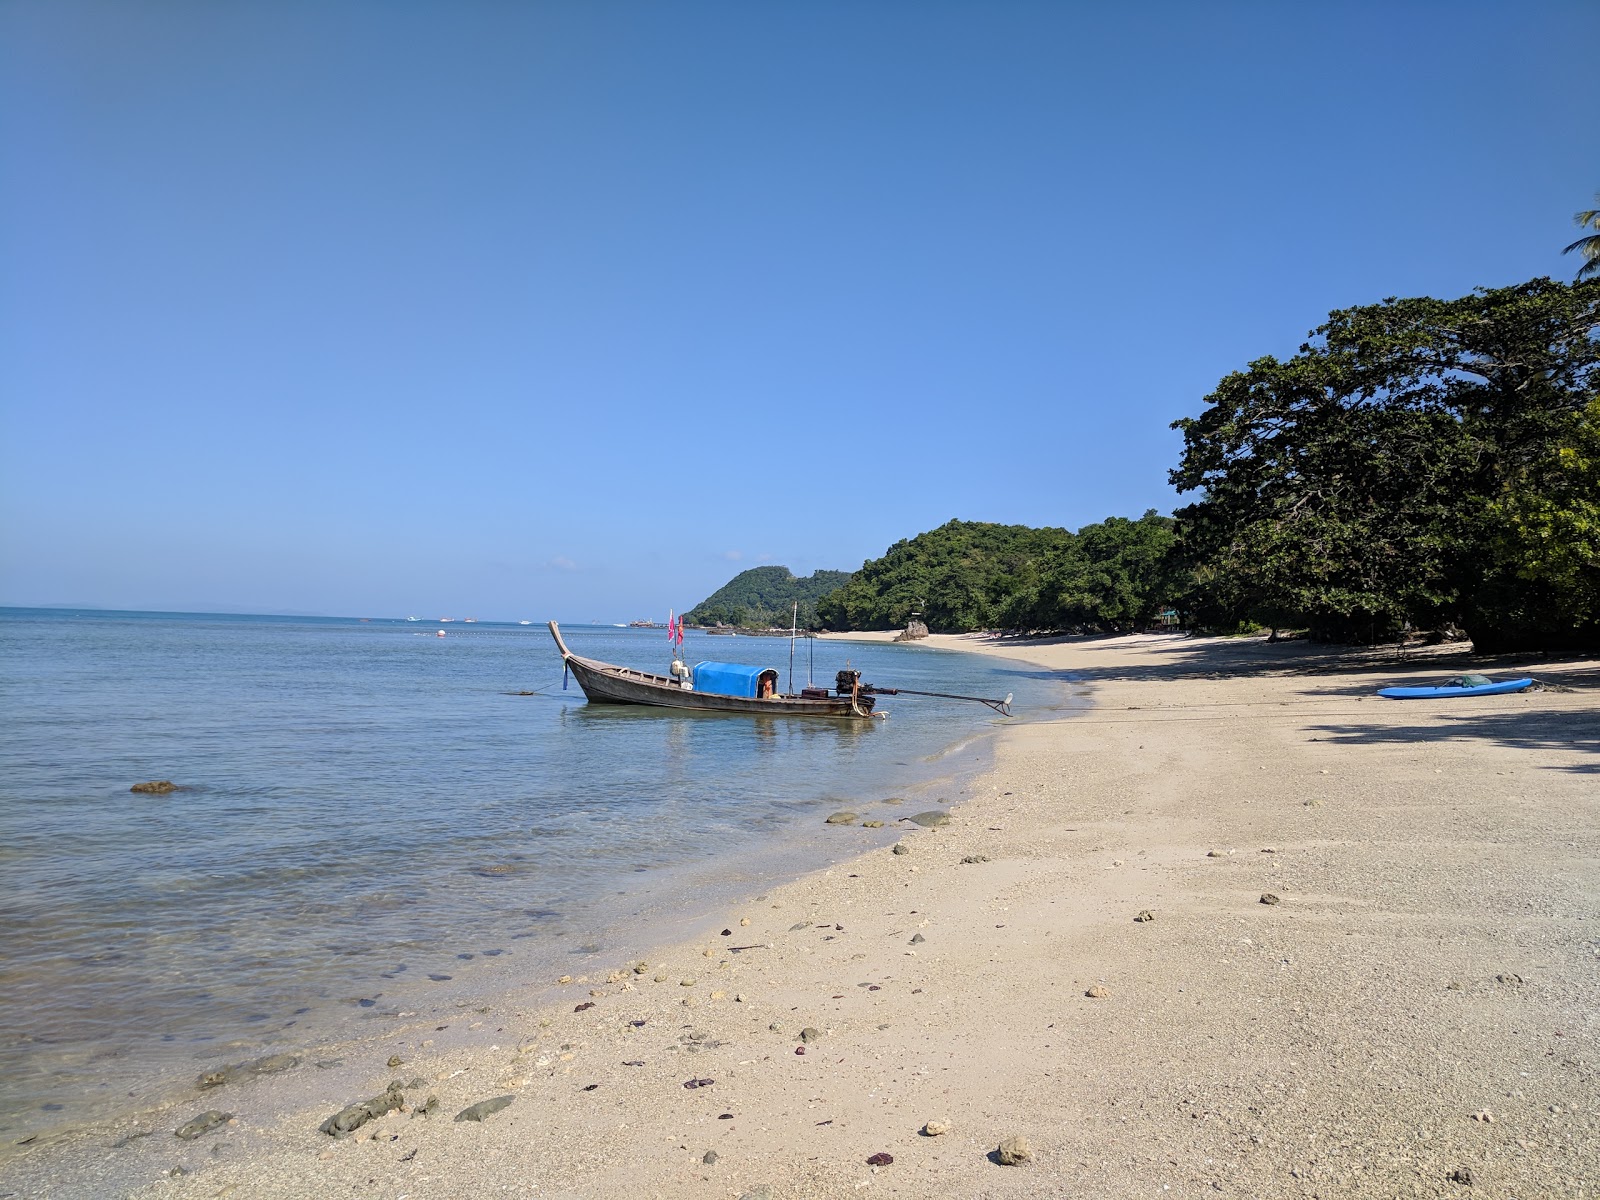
(607,683)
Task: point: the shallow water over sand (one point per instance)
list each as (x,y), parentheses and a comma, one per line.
(367,822)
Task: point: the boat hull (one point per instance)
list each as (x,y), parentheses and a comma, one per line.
(607,683)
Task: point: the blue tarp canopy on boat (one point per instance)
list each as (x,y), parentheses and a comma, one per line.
(730,679)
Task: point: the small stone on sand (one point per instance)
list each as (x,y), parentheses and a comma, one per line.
(842,818)
(1270,898)
(1145,915)
(1014,1151)
(901,848)
(936,1128)
(1096,992)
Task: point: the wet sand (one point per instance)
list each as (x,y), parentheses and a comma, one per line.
(1415,1009)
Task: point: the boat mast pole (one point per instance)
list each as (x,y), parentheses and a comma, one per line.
(794,624)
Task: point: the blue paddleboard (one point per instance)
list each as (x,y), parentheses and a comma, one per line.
(1480,689)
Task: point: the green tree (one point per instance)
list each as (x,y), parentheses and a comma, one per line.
(1589,246)
(1354,487)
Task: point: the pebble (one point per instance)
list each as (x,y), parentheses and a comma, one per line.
(976,858)
(880,1159)
(842,818)
(1145,915)
(917,939)
(1460,1175)
(1484,1115)
(936,1129)
(931,819)
(204,1123)
(1270,898)
(662,977)
(484,1108)
(689,982)
(270,1065)
(394,1061)
(1096,992)
(709,1157)
(565,979)
(744,920)
(901,848)
(1216,854)
(808,1034)
(1014,1151)
(872,824)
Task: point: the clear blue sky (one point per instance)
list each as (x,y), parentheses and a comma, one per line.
(573,309)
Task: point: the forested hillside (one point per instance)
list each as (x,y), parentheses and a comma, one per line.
(969,575)
(762,598)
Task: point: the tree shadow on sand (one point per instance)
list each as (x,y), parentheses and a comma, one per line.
(1575,731)
(1249,657)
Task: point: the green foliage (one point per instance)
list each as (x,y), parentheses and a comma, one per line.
(1404,466)
(968,575)
(1588,247)
(763,598)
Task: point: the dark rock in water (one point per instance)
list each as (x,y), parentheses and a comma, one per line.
(901,848)
(353,1116)
(440,978)
(271,1064)
(931,819)
(843,818)
(484,1109)
(204,1123)
(155,787)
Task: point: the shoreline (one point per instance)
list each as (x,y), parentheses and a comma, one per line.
(1425,956)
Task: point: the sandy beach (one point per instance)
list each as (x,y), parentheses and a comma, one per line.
(1235,928)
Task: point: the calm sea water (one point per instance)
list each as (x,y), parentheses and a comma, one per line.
(368,821)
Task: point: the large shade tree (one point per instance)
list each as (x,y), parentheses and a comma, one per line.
(1406,465)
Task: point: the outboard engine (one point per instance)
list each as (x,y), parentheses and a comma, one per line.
(846,682)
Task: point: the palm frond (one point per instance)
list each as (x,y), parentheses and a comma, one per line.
(1588,247)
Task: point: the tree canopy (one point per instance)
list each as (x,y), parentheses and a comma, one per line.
(763,598)
(1418,460)
(968,575)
